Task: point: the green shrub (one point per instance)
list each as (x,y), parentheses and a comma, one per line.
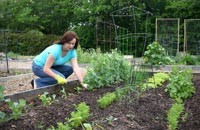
(156,55)
(29,43)
(107,69)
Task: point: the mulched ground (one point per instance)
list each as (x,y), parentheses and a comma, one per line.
(149,112)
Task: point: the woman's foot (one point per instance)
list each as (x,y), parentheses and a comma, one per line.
(34,86)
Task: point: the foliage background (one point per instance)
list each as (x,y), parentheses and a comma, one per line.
(54,17)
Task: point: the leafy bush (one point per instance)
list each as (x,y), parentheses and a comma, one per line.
(180,85)
(156,55)
(29,43)
(107,69)
(173,115)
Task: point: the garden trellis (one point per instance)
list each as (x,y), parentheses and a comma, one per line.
(134,36)
(167,34)
(3,51)
(192,36)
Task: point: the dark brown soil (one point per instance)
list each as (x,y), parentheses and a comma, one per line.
(147,113)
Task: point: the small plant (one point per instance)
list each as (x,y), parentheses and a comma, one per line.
(78,89)
(107,99)
(173,115)
(156,55)
(63,92)
(3,117)
(16,107)
(80,115)
(87,126)
(47,100)
(77,118)
(110,120)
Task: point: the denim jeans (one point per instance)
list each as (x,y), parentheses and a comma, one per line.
(45,80)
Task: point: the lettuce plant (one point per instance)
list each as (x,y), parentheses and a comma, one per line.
(180,85)
(107,99)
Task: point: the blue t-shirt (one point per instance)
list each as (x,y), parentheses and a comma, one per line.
(56,51)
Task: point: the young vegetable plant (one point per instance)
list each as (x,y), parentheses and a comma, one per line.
(47,100)
(107,99)
(180,85)
(77,118)
(111,119)
(63,92)
(156,80)
(16,108)
(173,115)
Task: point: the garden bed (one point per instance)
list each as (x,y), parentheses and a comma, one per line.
(148,113)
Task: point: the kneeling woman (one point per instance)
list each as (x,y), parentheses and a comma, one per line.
(50,65)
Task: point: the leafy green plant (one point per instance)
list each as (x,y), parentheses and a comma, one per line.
(156,80)
(3,117)
(107,69)
(63,92)
(173,115)
(78,89)
(156,55)
(110,120)
(107,99)
(47,100)
(77,118)
(16,108)
(180,85)
(186,59)
(80,115)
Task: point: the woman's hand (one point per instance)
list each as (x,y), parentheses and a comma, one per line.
(60,79)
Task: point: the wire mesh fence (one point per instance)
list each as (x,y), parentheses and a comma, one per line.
(167,34)
(192,36)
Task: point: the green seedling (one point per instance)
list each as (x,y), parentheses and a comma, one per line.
(47,100)
(86,126)
(16,108)
(110,120)
(78,89)
(63,92)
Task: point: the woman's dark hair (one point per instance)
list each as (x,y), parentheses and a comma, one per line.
(67,37)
